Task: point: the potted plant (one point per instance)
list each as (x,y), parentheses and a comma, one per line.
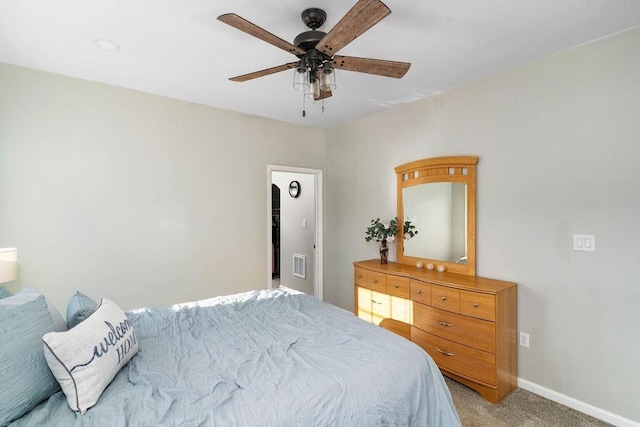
(386,233)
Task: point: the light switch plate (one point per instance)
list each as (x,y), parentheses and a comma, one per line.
(584,242)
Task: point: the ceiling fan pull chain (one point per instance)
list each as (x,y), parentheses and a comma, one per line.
(323,106)
(304,112)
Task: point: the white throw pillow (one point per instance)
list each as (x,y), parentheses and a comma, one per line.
(85,359)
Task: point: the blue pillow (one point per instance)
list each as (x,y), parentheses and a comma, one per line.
(79,308)
(25,378)
(27,294)
(4,293)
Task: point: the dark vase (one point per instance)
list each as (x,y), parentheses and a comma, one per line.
(384,252)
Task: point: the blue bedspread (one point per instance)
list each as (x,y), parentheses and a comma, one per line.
(264,358)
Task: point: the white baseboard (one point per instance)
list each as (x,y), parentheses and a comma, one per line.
(576,404)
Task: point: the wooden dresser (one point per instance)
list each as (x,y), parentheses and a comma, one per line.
(466,323)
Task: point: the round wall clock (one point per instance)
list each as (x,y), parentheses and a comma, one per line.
(294,189)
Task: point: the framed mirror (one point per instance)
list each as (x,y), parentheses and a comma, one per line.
(438,196)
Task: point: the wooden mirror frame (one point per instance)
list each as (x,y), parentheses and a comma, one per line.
(461,169)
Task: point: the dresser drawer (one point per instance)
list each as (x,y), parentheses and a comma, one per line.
(364,310)
(360,276)
(376,281)
(384,306)
(445,298)
(401,309)
(398,286)
(400,328)
(420,291)
(476,304)
(459,359)
(380,307)
(476,333)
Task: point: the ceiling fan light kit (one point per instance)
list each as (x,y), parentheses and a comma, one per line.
(328,77)
(314,72)
(301,77)
(313,90)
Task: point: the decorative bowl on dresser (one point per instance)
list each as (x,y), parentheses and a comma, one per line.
(466,323)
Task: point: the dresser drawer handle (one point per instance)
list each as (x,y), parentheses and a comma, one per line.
(441,323)
(396,286)
(443,298)
(475,305)
(446,353)
(359,276)
(375,280)
(419,291)
(375,302)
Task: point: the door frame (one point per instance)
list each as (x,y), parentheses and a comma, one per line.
(318,252)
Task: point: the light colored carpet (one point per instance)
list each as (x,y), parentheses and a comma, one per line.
(519,408)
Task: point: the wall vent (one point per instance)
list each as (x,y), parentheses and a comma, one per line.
(300,266)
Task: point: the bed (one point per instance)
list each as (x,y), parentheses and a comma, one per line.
(263,358)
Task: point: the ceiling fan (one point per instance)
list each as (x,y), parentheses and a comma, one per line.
(316,50)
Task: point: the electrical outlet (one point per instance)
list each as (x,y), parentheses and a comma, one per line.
(524,339)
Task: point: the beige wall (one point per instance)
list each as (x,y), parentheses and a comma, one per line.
(559,148)
(142,199)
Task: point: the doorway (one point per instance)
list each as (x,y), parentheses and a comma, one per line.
(295,229)
(275,235)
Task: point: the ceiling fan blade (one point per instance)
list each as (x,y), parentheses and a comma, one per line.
(379,67)
(362,16)
(323,95)
(252,29)
(262,73)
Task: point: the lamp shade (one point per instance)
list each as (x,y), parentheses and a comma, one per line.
(8,264)
(328,78)
(313,91)
(301,78)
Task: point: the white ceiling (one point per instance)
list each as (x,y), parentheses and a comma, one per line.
(178,48)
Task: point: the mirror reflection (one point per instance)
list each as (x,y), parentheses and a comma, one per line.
(439,212)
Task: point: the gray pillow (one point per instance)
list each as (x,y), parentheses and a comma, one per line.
(4,293)
(25,377)
(79,308)
(29,293)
